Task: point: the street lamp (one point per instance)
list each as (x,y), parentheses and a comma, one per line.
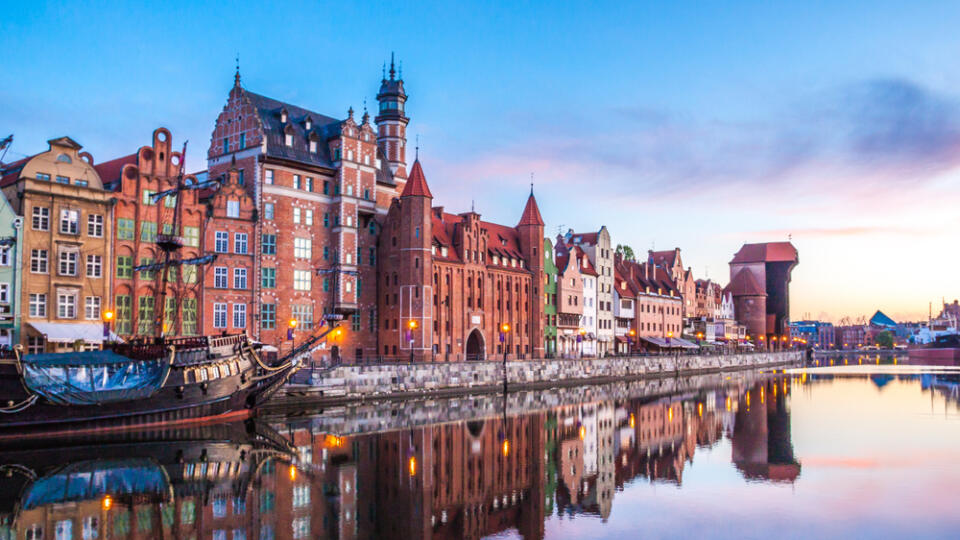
(411,326)
(291,326)
(630,335)
(504,330)
(108,316)
(581,337)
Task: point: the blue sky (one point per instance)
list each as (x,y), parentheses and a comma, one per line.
(692,124)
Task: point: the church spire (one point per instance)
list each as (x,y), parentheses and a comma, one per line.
(417,184)
(531,213)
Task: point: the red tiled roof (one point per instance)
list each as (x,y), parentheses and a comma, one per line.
(766,252)
(584,238)
(531,213)
(501,239)
(588,269)
(416,184)
(669,257)
(109,171)
(745,283)
(11,171)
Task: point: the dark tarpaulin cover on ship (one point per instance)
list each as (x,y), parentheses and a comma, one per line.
(92,377)
(89,480)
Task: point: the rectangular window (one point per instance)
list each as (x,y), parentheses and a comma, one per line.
(94,266)
(125,229)
(91,308)
(146,274)
(326,284)
(303,314)
(148,197)
(309,184)
(239,315)
(38,305)
(219,315)
(145,315)
(268,316)
(326,253)
(301,280)
(170,201)
(326,219)
(95,225)
(68,263)
(243,141)
(268,210)
(302,248)
(69,221)
(41,218)
(63,179)
(355,322)
(4,293)
(233,209)
(125,267)
(188,317)
(269,244)
(326,186)
(268,176)
(39,263)
(148,231)
(188,273)
(220,277)
(240,243)
(296,215)
(239,278)
(124,314)
(66,306)
(308,217)
(226,145)
(191,236)
(268,278)
(43,176)
(373,256)
(221,241)
(296,182)
(240,179)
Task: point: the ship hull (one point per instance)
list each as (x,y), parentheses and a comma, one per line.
(935,356)
(232,383)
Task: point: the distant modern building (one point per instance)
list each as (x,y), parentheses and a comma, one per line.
(760,285)
(816,333)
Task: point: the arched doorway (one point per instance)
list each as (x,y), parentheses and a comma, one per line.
(475,349)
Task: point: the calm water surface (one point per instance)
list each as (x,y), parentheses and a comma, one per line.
(849,451)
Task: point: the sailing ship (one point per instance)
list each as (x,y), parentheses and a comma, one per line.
(148,380)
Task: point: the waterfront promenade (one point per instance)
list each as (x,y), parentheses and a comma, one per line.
(348,383)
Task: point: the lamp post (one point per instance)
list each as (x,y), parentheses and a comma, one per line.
(411,326)
(630,335)
(291,326)
(581,336)
(107,319)
(504,330)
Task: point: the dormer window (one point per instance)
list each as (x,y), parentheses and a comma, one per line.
(283,116)
(288,139)
(443,251)
(308,123)
(313,147)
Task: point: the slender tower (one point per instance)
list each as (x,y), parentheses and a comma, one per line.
(416,267)
(392,124)
(531,242)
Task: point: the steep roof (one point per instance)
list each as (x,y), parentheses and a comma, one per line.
(766,252)
(11,171)
(668,257)
(109,171)
(502,240)
(746,284)
(268,111)
(531,213)
(586,267)
(417,184)
(583,238)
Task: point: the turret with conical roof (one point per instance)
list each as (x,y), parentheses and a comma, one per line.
(416,265)
(530,229)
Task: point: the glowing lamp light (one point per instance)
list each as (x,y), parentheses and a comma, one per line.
(582,332)
(583,432)
(293,473)
(337,332)
(633,421)
(669,334)
(700,410)
(632,332)
(506,447)
(412,324)
(107,502)
(670,414)
(108,315)
(504,328)
(292,323)
(762,338)
(412,465)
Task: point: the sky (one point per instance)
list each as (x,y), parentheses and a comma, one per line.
(699,125)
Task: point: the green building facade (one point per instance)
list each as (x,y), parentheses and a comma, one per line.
(550,299)
(11,227)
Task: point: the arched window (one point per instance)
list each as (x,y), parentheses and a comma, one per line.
(63,158)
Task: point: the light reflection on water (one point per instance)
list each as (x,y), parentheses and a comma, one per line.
(808,453)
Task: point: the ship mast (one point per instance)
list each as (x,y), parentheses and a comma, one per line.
(169,243)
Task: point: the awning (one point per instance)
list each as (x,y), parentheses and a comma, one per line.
(675,343)
(70,332)
(622,339)
(269,348)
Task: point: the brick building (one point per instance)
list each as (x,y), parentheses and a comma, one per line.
(760,284)
(682,278)
(318,184)
(137,221)
(649,292)
(449,283)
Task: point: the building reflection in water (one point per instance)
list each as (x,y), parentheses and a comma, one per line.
(465,479)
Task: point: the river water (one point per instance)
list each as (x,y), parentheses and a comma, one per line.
(864,448)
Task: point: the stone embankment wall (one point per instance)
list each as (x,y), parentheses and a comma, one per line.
(378,416)
(353,382)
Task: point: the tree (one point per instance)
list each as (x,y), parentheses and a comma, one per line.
(625,252)
(884,339)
